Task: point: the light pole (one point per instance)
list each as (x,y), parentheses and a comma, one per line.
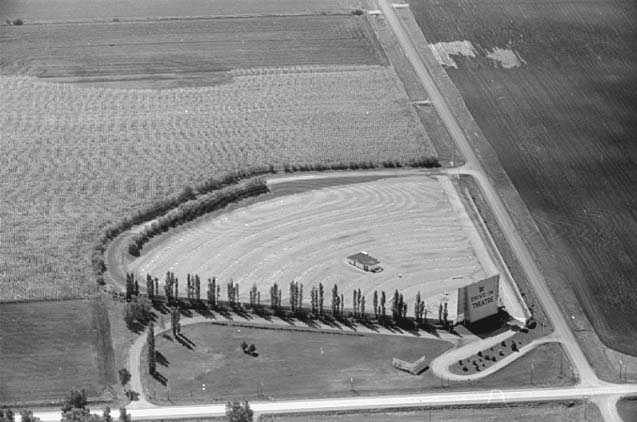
(532,373)
(585,403)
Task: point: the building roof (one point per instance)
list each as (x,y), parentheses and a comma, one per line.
(364,258)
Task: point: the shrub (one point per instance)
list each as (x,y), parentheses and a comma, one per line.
(133,249)
(514,346)
(501,352)
(17,22)
(252,348)
(465,369)
(358,12)
(244,345)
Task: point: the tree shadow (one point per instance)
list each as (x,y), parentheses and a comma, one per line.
(285,318)
(347,322)
(491,326)
(185,311)
(185,341)
(205,312)
(369,325)
(241,312)
(329,321)
(160,378)
(161,307)
(262,313)
(305,319)
(161,359)
(224,313)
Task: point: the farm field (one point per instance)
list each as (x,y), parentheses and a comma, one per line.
(183,52)
(290,364)
(76,156)
(96,10)
(544,412)
(552,87)
(416,226)
(46,348)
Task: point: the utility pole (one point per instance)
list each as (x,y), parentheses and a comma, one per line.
(532,373)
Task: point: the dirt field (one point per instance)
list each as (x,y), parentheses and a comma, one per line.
(415,226)
(563,127)
(178,52)
(48,347)
(290,364)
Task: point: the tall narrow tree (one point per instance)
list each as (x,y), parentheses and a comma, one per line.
(150,343)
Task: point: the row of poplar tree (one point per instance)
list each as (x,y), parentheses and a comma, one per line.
(295,296)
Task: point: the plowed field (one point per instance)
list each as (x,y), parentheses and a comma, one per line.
(183,52)
(552,86)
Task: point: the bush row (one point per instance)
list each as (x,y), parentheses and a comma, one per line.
(161,207)
(427,162)
(190,210)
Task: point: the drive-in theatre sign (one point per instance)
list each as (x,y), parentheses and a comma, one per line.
(479,300)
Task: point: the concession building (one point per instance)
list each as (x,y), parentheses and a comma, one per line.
(365,262)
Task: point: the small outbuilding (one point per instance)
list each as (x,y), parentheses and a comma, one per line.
(365,262)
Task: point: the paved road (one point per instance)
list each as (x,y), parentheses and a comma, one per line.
(384,402)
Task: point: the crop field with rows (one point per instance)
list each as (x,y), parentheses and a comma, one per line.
(75,157)
(552,86)
(95,10)
(183,52)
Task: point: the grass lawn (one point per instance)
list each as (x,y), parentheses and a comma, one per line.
(48,347)
(290,364)
(543,362)
(628,409)
(541,412)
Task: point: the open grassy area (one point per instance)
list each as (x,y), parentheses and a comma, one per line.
(561,121)
(48,347)
(540,412)
(628,409)
(540,367)
(290,364)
